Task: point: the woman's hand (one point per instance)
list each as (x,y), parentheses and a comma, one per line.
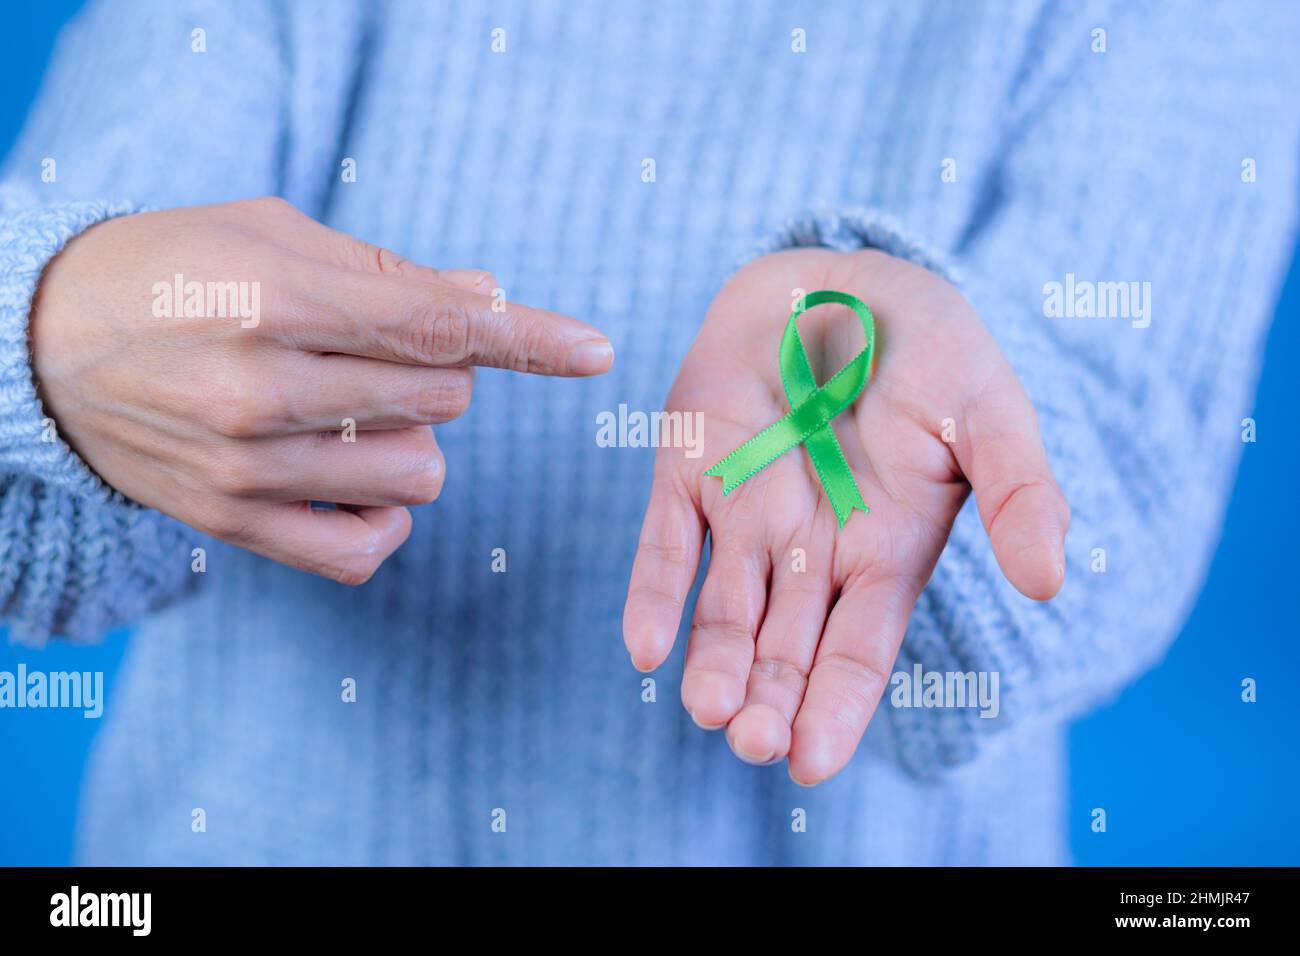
(798,622)
(311,373)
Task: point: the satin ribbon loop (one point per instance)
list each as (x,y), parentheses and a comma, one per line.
(811,409)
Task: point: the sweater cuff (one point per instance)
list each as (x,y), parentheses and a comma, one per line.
(29,443)
(853,230)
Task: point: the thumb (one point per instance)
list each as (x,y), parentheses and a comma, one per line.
(1022,508)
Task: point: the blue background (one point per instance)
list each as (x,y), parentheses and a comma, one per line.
(1187,773)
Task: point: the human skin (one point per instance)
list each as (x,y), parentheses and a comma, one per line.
(793,662)
(236,428)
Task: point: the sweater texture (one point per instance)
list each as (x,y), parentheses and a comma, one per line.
(994,143)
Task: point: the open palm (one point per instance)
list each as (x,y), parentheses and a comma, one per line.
(799,621)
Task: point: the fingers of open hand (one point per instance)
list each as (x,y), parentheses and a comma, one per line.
(849,674)
(727,615)
(798,622)
(787,642)
(791,668)
(667,557)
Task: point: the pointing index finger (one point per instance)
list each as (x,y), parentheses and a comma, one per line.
(442,324)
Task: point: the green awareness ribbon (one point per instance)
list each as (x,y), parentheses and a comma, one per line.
(811,411)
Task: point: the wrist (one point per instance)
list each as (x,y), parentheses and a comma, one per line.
(29,242)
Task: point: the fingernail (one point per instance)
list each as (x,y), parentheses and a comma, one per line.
(701,724)
(756,760)
(591,357)
(798,781)
(753,761)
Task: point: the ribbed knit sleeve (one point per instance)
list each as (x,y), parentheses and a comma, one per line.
(1169,159)
(146,113)
(75,557)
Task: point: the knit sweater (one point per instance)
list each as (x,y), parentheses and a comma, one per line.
(496,716)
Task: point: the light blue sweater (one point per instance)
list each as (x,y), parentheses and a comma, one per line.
(479,691)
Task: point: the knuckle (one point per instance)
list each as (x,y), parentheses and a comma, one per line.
(390,263)
(654,591)
(731,609)
(357,568)
(535,348)
(245,409)
(385,261)
(725,631)
(233,473)
(276,205)
(785,673)
(865,678)
(448,397)
(378,260)
(241,417)
(424,483)
(441,332)
(221,519)
(291,311)
(672,552)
